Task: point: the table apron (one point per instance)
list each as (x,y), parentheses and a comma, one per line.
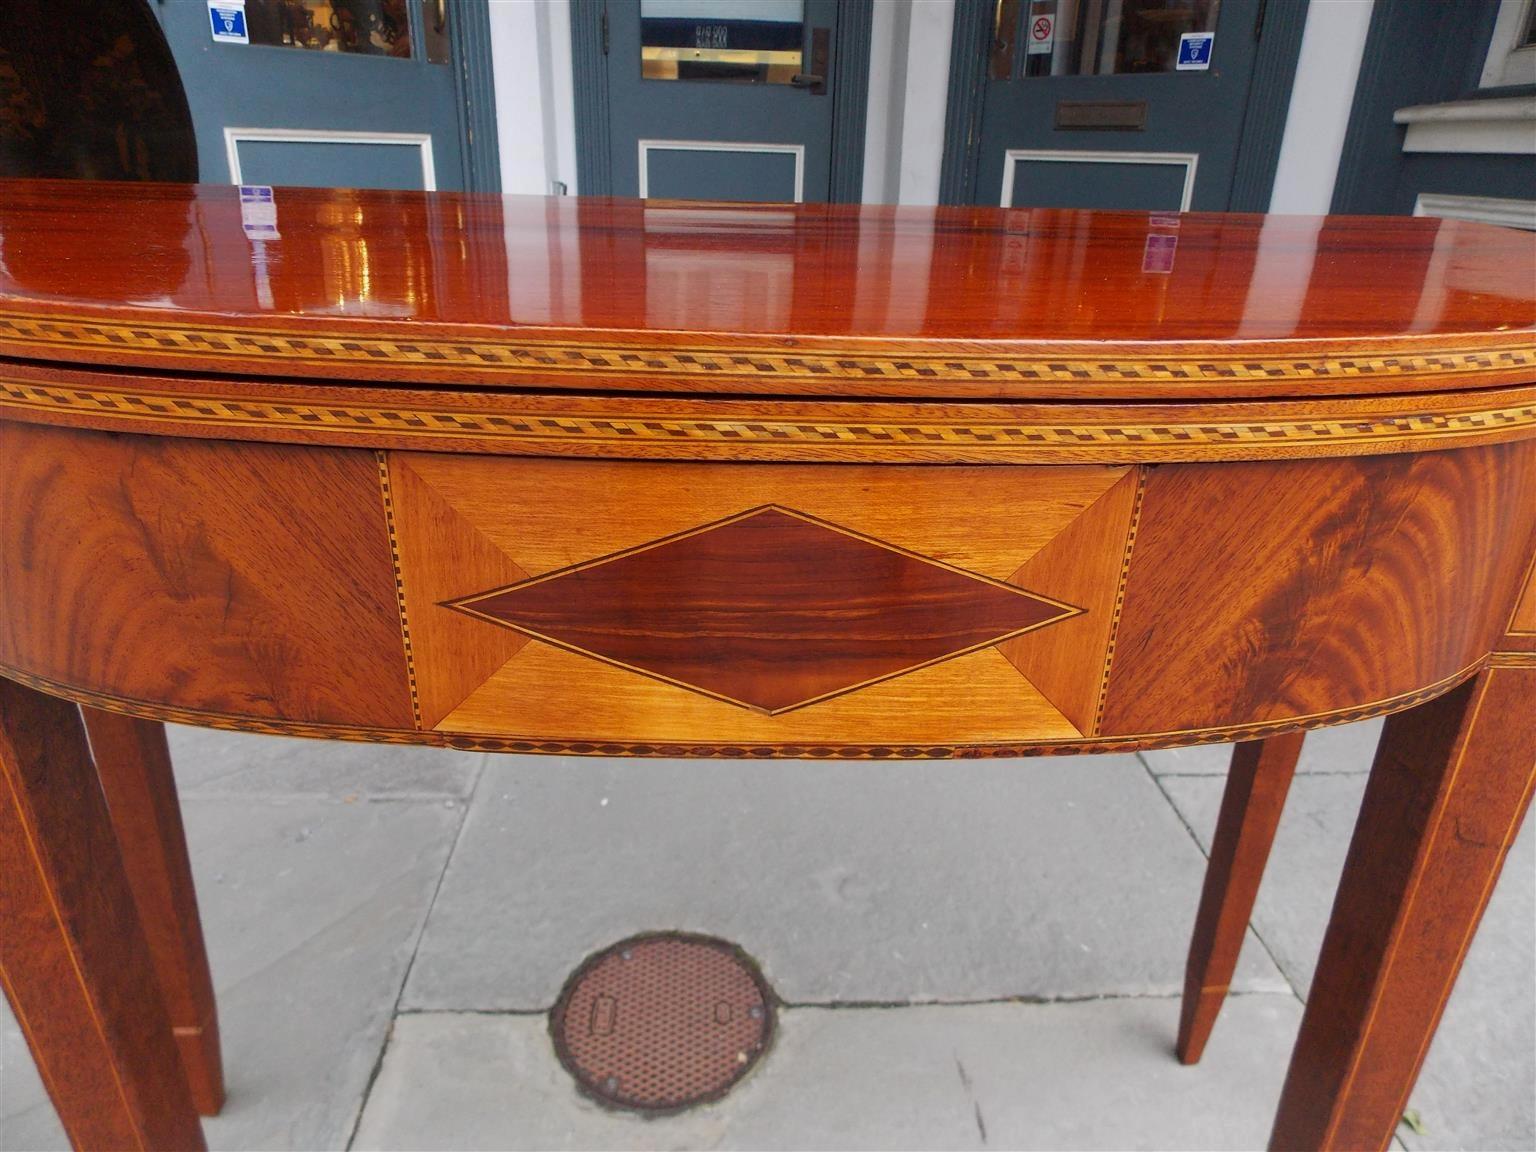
(724,608)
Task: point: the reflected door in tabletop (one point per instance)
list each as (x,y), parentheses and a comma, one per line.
(324,93)
(1114,103)
(719,99)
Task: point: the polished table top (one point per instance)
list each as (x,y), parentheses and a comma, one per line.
(929,303)
(616,477)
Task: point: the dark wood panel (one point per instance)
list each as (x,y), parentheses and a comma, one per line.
(1287,589)
(770,609)
(244,578)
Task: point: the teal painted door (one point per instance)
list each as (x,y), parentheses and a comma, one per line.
(721,99)
(327,93)
(1133,104)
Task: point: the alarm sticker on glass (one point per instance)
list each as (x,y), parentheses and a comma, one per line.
(1195,51)
(228,20)
(258,212)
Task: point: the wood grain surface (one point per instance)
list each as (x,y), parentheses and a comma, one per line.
(770,609)
(1079,560)
(252,579)
(537,518)
(1282,589)
(327,588)
(1451,783)
(443,469)
(75,965)
(852,301)
(133,763)
(1523,623)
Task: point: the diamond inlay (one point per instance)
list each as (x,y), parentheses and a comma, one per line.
(770,609)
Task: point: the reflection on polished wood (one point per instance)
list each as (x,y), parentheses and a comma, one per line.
(595,295)
(609,477)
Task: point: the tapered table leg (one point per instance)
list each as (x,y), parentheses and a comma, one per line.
(1257,783)
(1451,781)
(133,762)
(73,959)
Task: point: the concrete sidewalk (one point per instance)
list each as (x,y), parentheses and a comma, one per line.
(971,954)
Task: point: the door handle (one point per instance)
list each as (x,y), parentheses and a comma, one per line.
(439,15)
(815,81)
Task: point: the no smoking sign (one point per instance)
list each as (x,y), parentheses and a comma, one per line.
(1042,34)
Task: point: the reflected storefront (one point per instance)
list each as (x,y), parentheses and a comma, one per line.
(497,266)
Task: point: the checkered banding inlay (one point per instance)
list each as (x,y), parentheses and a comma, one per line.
(514,743)
(137,407)
(557,358)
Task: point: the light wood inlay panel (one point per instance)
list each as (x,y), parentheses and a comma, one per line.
(450,654)
(467,527)
(1075,560)
(978,697)
(550,514)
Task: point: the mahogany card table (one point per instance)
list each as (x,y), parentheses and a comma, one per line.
(630,478)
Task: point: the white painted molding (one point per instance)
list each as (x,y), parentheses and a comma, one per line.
(233,137)
(1188,160)
(1501,126)
(1483,209)
(795,150)
(1506,64)
(1317,118)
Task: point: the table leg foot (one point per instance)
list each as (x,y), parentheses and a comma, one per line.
(134,764)
(1257,783)
(73,959)
(1450,784)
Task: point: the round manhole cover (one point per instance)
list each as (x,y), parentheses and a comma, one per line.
(661,1022)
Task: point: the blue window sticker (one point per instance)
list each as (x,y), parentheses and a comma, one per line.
(228,20)
(1195,51)
(258,212)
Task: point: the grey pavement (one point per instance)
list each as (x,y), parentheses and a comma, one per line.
(972,954)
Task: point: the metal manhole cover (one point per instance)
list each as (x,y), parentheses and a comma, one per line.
(660,1022)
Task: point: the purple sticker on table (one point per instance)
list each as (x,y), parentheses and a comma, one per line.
(1157,256)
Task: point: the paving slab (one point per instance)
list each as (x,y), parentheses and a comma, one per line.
(864,882)
(27,1122)
(1344,748)
(215,763)
(311,910)
(1307,860)
(1097,1074)
(1476,1087)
